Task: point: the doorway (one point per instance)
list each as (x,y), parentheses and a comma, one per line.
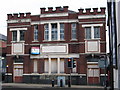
(18,73)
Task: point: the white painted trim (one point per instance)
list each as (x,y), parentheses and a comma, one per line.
(17,29)
(92,62)
(17,63)
(55,21)
(103,74)
(26,74)
(91,25)
(57,44)
(50,29)
(19,26)
(82,74)
(18,35)
(62,74)
(19,20)
(35,41)
(58,28)
(19,54)
(54,56)
(34,74)
(54,15)
(8,73)
(17,41)
(90,16)
(92,32)
(91,22)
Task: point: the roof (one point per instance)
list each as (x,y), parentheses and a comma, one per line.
(3,37)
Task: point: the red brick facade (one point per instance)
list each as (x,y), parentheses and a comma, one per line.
(76,48)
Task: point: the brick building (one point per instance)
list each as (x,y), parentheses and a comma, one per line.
(39,46)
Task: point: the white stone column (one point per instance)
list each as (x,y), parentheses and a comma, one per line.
(58,28)
(92,32)
(58,68)
(35,66)
(49,65)
(49,25)
(18,35)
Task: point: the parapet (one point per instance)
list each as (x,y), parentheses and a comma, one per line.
(19,15)
(88,11)
(58,10)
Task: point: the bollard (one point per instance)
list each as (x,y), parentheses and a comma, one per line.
(61,83)
(105,88)
(53,83)
(69,84)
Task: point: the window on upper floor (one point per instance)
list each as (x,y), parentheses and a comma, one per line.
(14,35)
(73,26)
(54,31)
(61,31)
(96,32)
(46,36)
(88,32)
(36,33)
(22,35)
(92,32)
(18,34)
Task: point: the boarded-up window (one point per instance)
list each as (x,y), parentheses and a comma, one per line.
(35,67)
(46,66)
(93,72)
(18,48)
(62,66)
(54,66)
(18,70)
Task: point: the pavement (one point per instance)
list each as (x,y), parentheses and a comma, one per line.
(24,85)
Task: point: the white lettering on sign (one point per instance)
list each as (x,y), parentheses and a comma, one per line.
(55,49)
(35,50)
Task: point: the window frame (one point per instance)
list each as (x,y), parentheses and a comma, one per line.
(86,37)
(92,33)
(14,38)
(35,32)
(46,32)
(73,31)
(54,32)
(98,36)
(18,34)
(22,36)
(62,31)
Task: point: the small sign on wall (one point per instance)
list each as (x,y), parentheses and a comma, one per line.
(35,50)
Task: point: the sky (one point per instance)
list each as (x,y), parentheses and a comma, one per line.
(33,6)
